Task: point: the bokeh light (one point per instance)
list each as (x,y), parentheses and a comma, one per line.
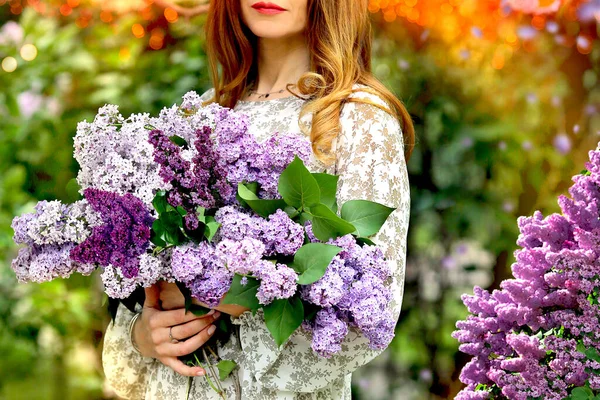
(9,64)
(29,52)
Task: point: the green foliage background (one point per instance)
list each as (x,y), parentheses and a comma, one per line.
(483,156)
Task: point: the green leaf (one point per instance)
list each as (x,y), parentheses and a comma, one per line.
(160,202)
(264,208)
(211,230)
(367,216)
(172,219)
(179,141)
(198,310)
(243,295)
(326,224)
(298,187)
(158,228)
(580,347)
(311,261)
(581,393)
(328,185)
(187,295)
(181,211)
(173,235)
(157,233)
(283,317)
(292,212)
(200,213)
(225,367)
(303,217)
(592,354)
(365,241)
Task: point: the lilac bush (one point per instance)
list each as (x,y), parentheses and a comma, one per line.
(538,336)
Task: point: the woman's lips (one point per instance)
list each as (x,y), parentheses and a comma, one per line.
(268,8)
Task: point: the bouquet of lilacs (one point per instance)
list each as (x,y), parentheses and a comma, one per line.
(191,197)
(538,336)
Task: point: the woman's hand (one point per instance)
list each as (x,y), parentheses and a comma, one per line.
(151,333)
(171,299)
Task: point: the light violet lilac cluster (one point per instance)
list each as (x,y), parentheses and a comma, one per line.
(49,234)
(243,246)
(114,157)
(123,236)
(352,293)
(538,336)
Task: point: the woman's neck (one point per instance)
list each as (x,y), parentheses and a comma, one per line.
(281,61)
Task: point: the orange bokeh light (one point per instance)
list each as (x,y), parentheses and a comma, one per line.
(171,15)
(138,31)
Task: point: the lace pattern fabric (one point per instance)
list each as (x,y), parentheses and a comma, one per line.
(371,165)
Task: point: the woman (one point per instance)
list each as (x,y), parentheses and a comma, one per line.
(292,66)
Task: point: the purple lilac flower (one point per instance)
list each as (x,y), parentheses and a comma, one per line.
(328,333)
(237,225)
(277,281)
(328,290)
(240,257)
(55,223)
(524,336)
(189,190)
(50,233)
(354,286)
(122,238)
(277,152)
(281,235)
(116,285)
(203,272)
(43,263)
(113,155)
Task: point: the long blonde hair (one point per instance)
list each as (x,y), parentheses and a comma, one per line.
(339,36)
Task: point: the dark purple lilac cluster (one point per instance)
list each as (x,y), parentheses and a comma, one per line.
(352,293)
(539,335)
(123,236)
(199,182)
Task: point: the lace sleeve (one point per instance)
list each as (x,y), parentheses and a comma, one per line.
(371,166)
(126,370)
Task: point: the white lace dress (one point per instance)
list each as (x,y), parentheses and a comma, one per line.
(371,166)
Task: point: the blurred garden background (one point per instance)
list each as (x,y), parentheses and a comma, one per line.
(505,97)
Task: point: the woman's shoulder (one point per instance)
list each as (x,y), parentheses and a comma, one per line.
(364,106)
(363,92)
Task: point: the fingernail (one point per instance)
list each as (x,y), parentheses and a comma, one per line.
(212,329)
(217,315)
(201,373)
(211,312)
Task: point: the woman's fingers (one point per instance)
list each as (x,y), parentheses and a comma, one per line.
(182,369)
(189,346)
(174,317)
(184,331)
(152,296)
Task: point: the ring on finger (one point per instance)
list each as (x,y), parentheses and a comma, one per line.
(173,340)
